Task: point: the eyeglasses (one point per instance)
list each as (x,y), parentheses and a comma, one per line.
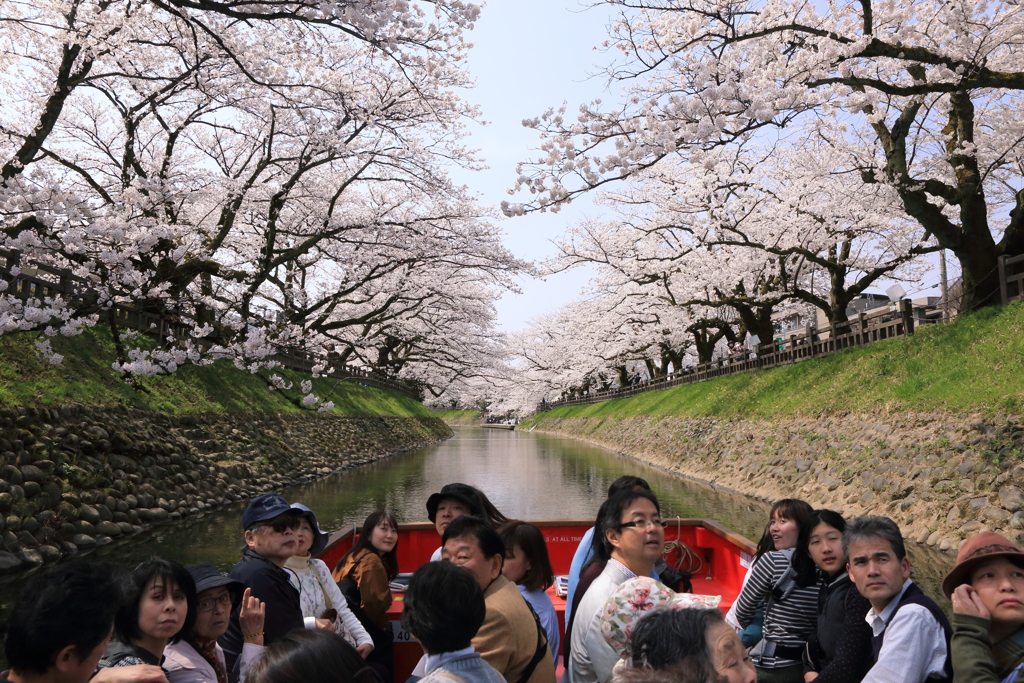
(210,604)
(643,524)
(282,524)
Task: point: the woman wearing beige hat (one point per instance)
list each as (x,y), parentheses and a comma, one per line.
(986,587)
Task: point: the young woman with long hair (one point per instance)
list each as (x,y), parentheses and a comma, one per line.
(790,613)
(367,570)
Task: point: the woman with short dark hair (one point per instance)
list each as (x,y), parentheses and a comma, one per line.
(311,656)
(160,608)
(528,566)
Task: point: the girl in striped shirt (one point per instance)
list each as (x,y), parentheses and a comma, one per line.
(790,610)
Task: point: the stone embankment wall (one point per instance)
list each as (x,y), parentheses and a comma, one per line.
(74,478)
(941,477)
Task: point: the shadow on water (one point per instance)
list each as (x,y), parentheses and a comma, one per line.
(527,476)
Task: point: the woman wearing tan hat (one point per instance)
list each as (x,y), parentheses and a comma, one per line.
(986,587)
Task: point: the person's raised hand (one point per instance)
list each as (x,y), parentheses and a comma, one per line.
(967,601)
(251,616)
(140,673)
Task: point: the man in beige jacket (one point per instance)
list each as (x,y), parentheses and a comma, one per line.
(511,639)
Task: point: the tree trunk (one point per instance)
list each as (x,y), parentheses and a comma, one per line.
(705,343)
(758,321)
(979,285)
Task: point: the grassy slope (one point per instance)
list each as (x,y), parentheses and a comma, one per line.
(85,377)
(975,364)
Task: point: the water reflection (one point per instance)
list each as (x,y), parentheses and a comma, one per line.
(527,476)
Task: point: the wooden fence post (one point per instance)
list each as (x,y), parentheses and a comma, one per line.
(862,320)
(907,311)
(1001,261)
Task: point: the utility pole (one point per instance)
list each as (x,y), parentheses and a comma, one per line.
(944,285)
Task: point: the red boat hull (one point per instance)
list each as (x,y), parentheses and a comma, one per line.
(723,554)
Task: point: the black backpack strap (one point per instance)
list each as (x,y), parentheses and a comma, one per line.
(542,645)
(350,590)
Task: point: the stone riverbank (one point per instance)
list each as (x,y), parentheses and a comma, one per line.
(74,478)
(941,477)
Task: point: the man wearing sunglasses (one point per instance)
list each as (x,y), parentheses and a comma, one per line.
(270,524)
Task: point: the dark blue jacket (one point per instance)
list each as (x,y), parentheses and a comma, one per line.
(270,584)
(841,650)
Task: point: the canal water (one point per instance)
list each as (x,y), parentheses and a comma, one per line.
(527,476)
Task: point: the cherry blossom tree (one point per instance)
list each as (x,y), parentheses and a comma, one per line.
(922,97)
(601,342)
(256,174)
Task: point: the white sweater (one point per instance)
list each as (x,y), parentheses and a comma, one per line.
(311,578)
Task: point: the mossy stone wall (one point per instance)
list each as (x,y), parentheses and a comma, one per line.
(75,477)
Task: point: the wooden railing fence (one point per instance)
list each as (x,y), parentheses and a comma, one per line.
(40,281)
(1011,278)
(866,328)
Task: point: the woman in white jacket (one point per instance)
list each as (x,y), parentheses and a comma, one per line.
(322,603)
(197,658)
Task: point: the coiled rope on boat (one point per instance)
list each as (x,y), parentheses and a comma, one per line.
(690,562)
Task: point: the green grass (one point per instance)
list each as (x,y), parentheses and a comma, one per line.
(85,377)
(975,364)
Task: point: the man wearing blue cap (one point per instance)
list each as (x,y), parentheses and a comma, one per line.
(270,524)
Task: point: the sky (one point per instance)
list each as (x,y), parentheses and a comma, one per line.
(531,55)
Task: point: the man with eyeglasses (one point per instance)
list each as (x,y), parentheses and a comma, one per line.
(270,524)
(632,536)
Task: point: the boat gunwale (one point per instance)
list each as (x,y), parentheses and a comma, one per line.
(714,527)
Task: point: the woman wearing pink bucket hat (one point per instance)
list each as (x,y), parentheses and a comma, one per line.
(986,587)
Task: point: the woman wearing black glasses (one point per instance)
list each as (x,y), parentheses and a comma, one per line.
(197,658)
